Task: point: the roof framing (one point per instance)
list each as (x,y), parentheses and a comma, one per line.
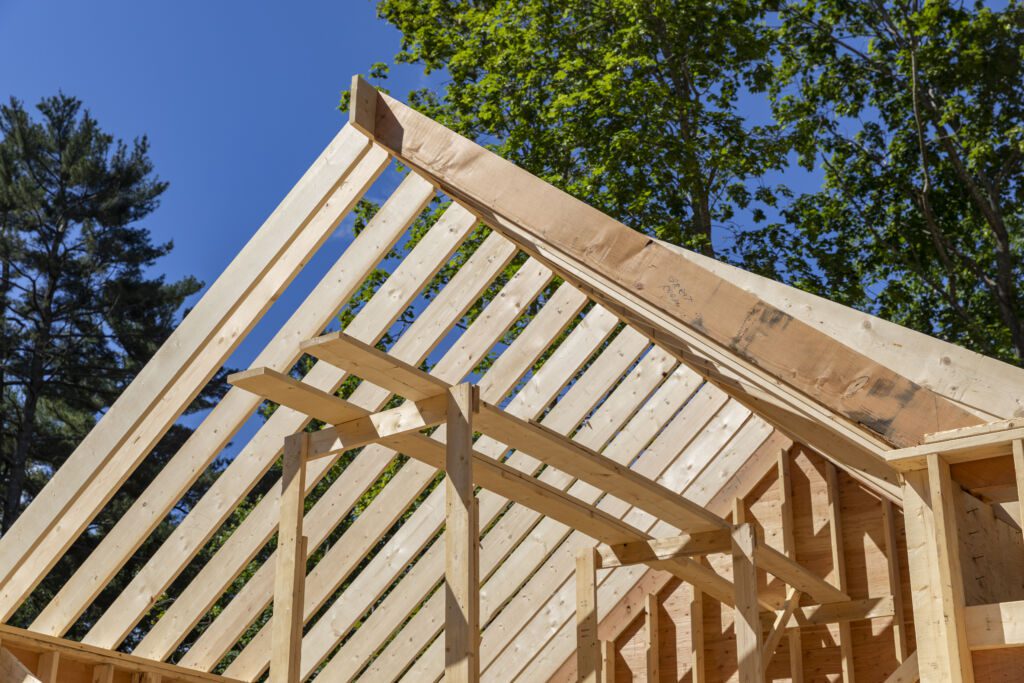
(647,389)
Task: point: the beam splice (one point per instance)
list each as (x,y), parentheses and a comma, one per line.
(588,651)
(290,576)
(638,552)
(371,364)
(461,541)
(298,396)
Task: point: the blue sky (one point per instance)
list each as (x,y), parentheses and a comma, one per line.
(237,99)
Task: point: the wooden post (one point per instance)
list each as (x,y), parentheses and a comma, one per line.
(462,542)
(935,575)
(748,618)
(588,655)
(1018,471)
(697,669)
(49,663)
(839,564)
(290,577)
(796,649)
(653,653)
(103,673)
(607,661)
(892,556)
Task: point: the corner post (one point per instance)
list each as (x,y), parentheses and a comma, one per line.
(290,571)
(937,589)
(461,541)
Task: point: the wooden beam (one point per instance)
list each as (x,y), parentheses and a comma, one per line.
(49,666)
(698,667)
(639,552)
(297,395)
(362,105)
(180,368)
(796,657)
(588,652)
(658,290)
(653,629)
(597,470)
(204,445)
(995,626)
(547,500)
(839,612)
(12,670)
(779,629)
(409,417)
(103,673)
(462,542)
(935,574)
(968,445)
(748,621)
(100,658)
(892,558)
(371,364)
(835,527)
(1018,473)
(607,661)
(907,672)
(285,663)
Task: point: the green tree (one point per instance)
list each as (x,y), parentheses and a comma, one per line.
(914,112)
(633,106)
(906,113)
(80,313)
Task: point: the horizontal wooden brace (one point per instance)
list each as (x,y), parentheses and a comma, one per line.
(69,650)
(623,554)
(964,445)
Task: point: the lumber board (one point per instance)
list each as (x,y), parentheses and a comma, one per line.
(297,395)
(178,370)
(428,328)
(372,582)
(749,650)
(461,540)
(382,513)
(588,648)
(214,432)
(369,363)
(994,626)
(663,548)
(516,529)
(70,650)
(290,570)
(256,457)
(758,444)
(652,628)
(643,281)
